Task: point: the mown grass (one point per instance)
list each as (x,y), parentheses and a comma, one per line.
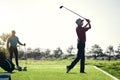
(55,70)
(112,67)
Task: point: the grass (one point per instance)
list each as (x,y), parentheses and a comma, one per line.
(112,67)
(55,70)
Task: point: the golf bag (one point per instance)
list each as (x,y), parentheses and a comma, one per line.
(5,63)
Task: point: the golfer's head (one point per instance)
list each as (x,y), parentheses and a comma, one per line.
(79,22)
(13,32)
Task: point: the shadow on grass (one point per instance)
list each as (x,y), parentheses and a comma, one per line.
(72,73)
(13,72)
(76,73)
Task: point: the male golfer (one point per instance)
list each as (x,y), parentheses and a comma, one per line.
(12,47)
(81,33)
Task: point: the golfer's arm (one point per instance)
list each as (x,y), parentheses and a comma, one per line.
(20,42)
(89,25)
(7,44)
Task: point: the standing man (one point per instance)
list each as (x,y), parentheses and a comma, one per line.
(12,47)
(81,33)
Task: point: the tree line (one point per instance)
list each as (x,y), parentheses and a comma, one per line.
(95,52)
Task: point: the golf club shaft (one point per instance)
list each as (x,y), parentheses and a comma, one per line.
(25,55)
(74,12)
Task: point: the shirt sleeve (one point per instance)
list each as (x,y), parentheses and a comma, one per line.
(86,29)
(17,39)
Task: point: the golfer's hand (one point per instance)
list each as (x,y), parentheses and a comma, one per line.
(87,20)
(24,44)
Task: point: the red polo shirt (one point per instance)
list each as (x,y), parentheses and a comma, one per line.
(81,33)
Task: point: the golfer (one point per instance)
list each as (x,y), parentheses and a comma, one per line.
(81,33)
(12,47)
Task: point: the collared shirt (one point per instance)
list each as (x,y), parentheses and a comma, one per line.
(13,41)
(81,33)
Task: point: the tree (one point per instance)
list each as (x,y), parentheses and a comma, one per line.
(58,52)
(118,51)
(29,52)
(110,51)
(5,36)
(70,49)
(3,39)
(2,49)
(36,53)
(96,50)
(47,53)
(1,42)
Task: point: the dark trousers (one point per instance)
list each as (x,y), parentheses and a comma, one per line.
(15,51)
(80,57)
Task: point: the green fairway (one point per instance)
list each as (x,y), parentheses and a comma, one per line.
(55,70)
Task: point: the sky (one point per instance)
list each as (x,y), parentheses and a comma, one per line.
(41,23)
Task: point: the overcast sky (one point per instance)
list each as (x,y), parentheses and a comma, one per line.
(40,23)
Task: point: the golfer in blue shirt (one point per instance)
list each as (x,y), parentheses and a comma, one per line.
(12,47)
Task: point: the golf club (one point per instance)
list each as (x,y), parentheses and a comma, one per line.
(20,68)
(25,68)
(72,11)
